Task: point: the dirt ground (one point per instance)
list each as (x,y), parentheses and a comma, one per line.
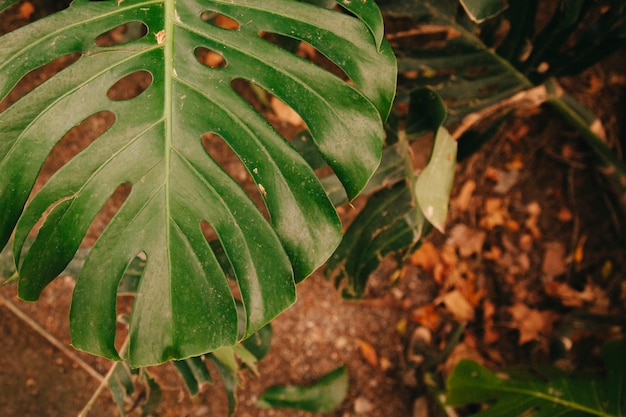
(533,243)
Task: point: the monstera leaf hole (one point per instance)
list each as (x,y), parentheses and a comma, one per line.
(304,50)
(75,141)
(209,58)
(130,86)
(221,152)
(219,20)
(36,77)
(106,213)
(124,33)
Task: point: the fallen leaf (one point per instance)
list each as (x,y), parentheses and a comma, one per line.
(532,324)
(462,351)
(368,353)
(506,181)
(462,201)
(567,295)
(458,306)
(579,252)
(427,316)
(426,257)
(515,164)
(493,254)
(553,263)
(489,334)
(565,215)
(512,225)
(526,242)
(495,214)
(492,173)
(467,240)
(534,211)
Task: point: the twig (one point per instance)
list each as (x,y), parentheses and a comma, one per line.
(104,382)
(53,340)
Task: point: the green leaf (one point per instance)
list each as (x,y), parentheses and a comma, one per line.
(434,183)
(229,379)
(194,373)
(120,385)
(322,397)
(370,15)
(559,394)
(5,4)
(481,10)
(155,146)
(457,65)
(389,223)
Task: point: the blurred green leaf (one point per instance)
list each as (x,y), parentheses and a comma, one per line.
(481,10)
(194,373)
(322,397)
(555,394)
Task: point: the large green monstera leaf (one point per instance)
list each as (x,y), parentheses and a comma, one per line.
(184,305)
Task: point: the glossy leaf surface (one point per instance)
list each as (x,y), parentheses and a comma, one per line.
(184,306)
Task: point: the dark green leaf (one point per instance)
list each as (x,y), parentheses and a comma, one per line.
(481,10)
(5,4)
(154,395)
(533,395)
(194,373)
(323,397)
(176,185)
(389,223)
(456,64)
(229,379)
(120,385)
(259,343)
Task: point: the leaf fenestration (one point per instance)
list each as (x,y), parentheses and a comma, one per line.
(184,306)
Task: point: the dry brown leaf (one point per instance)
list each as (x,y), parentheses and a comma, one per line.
(534,211)
(526,242)
(592,296)
(492,173)
(426,257)
(26,10)
(427,316)
(579,252)
(458,306)
(506,181)
(565,215)
(515,164)
(467,240)
(368,353)
(489,334)
(493,254)
(512,225)
(532,324)
(553,263)
(517,132)
(568,296)
(495,214)
(462,201)
(462,351)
